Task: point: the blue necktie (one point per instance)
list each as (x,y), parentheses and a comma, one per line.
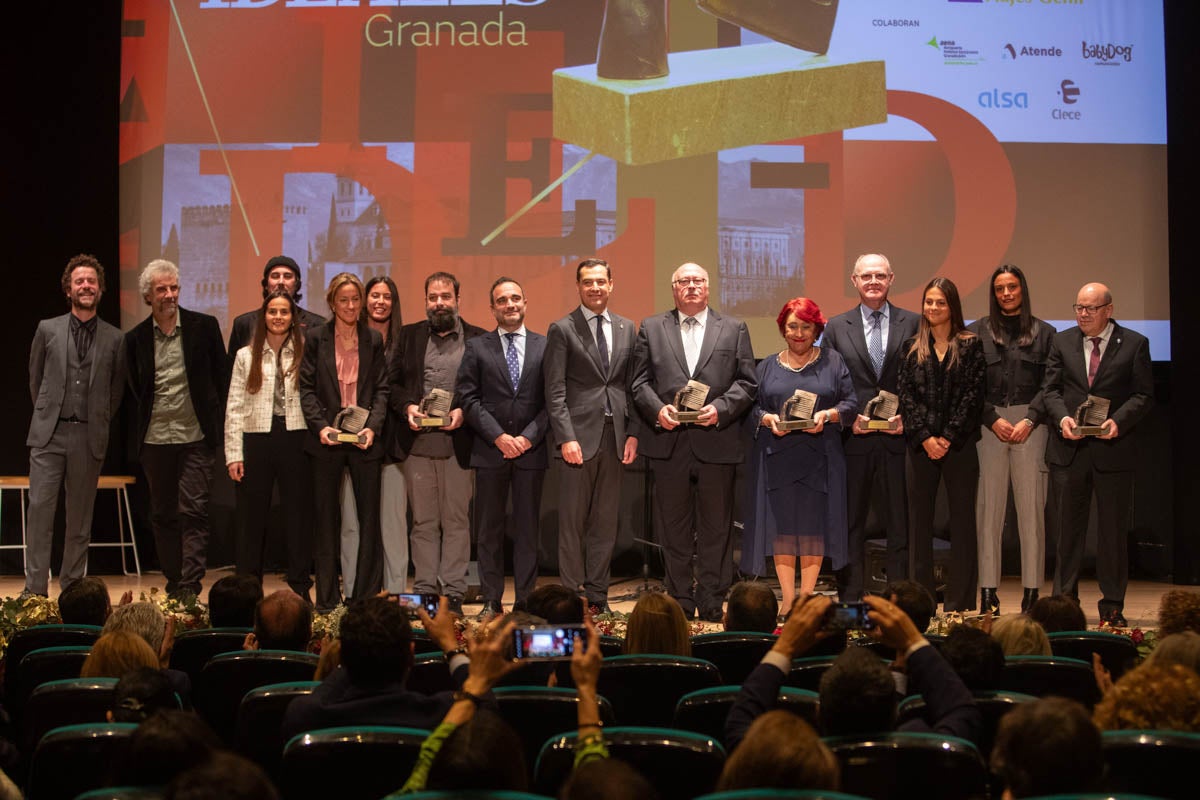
(514,364)
(875,342)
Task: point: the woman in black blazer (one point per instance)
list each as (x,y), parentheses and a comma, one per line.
(941,401)
(344,365)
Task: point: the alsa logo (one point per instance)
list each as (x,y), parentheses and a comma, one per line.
(1013,52)
(995,98)
(1107,55)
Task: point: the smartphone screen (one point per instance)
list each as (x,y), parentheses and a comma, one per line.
(411,602)
(848,617)
(554,642)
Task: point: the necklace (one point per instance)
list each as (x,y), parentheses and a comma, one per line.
(785,359)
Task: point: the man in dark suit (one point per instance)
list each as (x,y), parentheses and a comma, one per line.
(279,271)
(869,338)
(178,380)
(76,377)
(694,342)
(502,394)
(436,461)
(1104,359)
(594,425)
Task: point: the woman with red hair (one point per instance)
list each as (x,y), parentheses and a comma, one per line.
(796,479)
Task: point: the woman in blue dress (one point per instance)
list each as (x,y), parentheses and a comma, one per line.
(796,480)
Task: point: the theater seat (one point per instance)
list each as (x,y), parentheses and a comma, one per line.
(38,667)
(806,672)
(704,711)
(540,713)
(26,640)
(227,677)
(735,653)
(429,674)
(73,701)
(644,689)
(1155,763)
(1118,653)
(123,793)
(910,766)
(993,706)
(350,763)
(193,649)
(257,734)
(679,764)
(77,758)
(1045,676)
(780,794)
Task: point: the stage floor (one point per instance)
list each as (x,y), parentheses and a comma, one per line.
(1141,600)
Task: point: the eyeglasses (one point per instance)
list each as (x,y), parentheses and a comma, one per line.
(682,282)
(1089,309)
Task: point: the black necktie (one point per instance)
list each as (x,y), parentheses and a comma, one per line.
(601,344)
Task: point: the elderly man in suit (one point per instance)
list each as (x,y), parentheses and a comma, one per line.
(76,377)
(178,380)
(868,337)
(694,342)
(1101,358)
(503,398)
(279,271)
(594,425)
(436,461)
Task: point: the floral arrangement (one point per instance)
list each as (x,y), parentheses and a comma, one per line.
(17,613)
(189,613)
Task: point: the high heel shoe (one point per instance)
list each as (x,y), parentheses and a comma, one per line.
(1028,599)
(988,601)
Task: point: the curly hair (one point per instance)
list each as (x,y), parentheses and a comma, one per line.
(1160,697)
(82,260)
(1178,611)
(806,311)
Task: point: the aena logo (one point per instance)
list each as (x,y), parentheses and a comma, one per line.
(996,98)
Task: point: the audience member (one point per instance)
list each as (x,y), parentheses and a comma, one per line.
(751,607)
(657,625)
(914,600)
(1163,697)
(781,751)
(369,687)
(1019,635)
(858,695)
(1047,747)
(975,657)
(282,621)
(606,779)
(1177,648)
(223,776)
(232,601)
(556,604)
(1178,611)
(166,744)
(115,654)
(139,693)
(85,602)
(147,621)
(1060,612)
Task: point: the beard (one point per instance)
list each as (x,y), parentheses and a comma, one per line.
(442,320)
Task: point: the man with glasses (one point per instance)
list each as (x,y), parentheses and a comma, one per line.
(1101,358)
(694,342)
(869,338)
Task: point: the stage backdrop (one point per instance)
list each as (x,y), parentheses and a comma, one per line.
(402,137)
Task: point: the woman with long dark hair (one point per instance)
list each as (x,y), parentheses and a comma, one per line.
(264,440)
(941,400)
(1013,439)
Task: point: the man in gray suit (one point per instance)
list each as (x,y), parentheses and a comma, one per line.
(592,419)
(693,464)
(76,376)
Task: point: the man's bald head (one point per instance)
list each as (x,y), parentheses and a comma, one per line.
(283,621)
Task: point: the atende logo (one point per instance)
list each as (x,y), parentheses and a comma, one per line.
(1011,52)
(996,98)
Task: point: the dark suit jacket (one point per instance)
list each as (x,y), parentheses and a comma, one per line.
(726,364)
(319,394)
(1124,377)
(406,377)
(492,408)
(207,369)
(48,358)
(242,332)
(844,333)
(576,386)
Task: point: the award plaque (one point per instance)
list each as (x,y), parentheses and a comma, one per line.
(1090,416)
(689,400)
(881,408)
(350,421)
(436,407)
(797,413)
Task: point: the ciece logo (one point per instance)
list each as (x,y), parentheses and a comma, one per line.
(995,98)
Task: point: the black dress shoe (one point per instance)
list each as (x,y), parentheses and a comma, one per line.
(1114,619)
(454,604)
(988,601)
(712,614)
(490,609)
(1028,599)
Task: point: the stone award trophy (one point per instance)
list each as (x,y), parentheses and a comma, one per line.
(689,400)
(881,408)
(350,421)
(436,407)
(1090,416)
(797,413)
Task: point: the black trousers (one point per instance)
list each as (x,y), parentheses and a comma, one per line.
(179,477)
(492,488)
(960,471)
(877,472)
(267,458)
(327,466)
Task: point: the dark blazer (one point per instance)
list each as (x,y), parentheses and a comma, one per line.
(844,333)
(48,358)
(492,408)
(951,406)
(1123,377)
(726,364)
(406,377)
(242,332)
(577,387)
(1028,370)
(207,369)
(319,394)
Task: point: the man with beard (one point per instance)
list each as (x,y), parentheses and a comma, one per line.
(436,461)
(279,271)
(178,380)
(76,372)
